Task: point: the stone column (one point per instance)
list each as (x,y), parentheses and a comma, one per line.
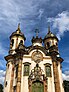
(18,86)
(56,75)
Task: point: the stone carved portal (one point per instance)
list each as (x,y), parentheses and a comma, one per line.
(37,81)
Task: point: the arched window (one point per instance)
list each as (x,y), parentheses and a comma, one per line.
(48,70)
(21,41)
(56,43)
(5,83)
(48,44)
(26,68)
(12,42)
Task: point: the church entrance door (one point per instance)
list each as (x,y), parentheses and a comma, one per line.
(37,86)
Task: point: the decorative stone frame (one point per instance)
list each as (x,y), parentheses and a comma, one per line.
(49,65)
(26,63)
(44,81)
(36,75)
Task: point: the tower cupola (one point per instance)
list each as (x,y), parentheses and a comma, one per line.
(15,38)
(36,40)
(50,39)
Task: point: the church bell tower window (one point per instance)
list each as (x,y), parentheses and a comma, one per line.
(21,41)
(12,42)
(5,83)
(48,44)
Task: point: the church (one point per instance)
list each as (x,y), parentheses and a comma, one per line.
(34,68)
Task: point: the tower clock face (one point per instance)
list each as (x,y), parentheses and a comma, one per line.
(37,56)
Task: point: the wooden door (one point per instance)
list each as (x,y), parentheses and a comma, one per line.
(37,86)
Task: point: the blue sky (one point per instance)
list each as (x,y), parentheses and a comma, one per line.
(32,14)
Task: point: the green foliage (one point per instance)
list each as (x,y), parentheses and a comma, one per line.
(66,86)
(1,88)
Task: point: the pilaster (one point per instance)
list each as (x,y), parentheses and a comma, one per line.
(18,85)
(16,42)
(56,75)
(12,76)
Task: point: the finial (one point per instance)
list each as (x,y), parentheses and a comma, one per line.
(49,29)
(18,29)
(36,31)
(19,26)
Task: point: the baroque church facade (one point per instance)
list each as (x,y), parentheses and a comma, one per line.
(36,68)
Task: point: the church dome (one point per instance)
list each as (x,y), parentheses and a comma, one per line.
(50,35)
(18,33)
(36,39)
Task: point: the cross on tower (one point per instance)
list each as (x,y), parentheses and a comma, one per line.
(36,31)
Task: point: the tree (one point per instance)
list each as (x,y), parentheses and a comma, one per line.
(1,88)
(66,86)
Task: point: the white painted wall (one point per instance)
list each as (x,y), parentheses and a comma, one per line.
(60,78)
(24,79)
(8,78)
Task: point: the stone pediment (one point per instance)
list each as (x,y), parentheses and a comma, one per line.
(31,48)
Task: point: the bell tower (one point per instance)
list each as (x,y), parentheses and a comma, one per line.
(13,61)
(50,39)
(15,38)
(51,45)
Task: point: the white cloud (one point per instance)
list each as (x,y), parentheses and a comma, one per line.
(2,50)
(2,76)
(2,64)
(60,22)
(13,12)
(66,72)
(41,11)
(65,75)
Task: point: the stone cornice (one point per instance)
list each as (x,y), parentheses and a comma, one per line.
(60,59)
(9,57)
